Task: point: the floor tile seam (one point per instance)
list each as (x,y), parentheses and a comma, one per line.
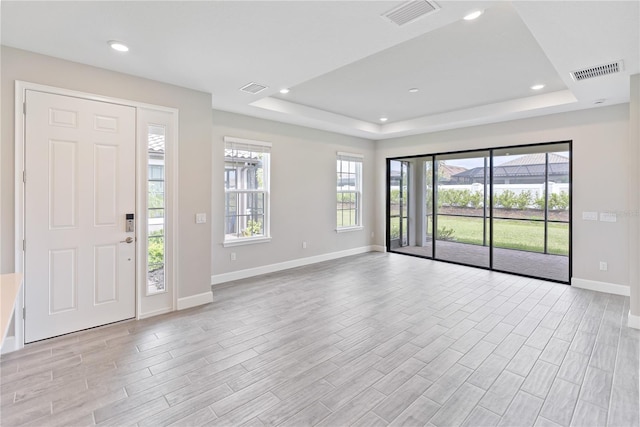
(563,357)
(455,391)
(48,391)
(484,392)
(536,397)
(394,336)
(575,405)
(493,412)
(613,375)
(163,381)
(93,412)
(305,407)
(580,394)
(555,376)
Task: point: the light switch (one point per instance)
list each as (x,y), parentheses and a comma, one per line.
(608,217)
(590,216)
(201,218)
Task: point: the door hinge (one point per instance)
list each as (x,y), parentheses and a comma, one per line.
(24,245)
(24,108)
(24,176)
(24,312)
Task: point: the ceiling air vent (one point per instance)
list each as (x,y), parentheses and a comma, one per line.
(253,88)
(410,11)
(600,70)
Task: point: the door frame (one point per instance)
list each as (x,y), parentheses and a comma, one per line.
(171,177)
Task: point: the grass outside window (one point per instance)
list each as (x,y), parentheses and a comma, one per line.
(510,234)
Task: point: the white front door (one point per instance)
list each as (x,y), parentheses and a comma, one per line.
(80,185)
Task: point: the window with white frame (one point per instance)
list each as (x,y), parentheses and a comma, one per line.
(246,186)
(349,191)
(156,209)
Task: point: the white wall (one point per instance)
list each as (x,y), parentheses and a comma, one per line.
(303,193)
(600,174)
(194,248)
(634,201)
(303,174)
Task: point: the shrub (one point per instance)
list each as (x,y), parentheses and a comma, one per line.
(155,248)
(458,198)
(506,199)
(476,199)
(444,197)
(523,200)
(559,201)
(253,228)
(461,198)
(445,233)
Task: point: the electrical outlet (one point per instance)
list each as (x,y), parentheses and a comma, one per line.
(603,266)
(201,218)
(304,245)
(233,256)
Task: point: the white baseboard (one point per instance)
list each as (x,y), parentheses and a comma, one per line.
(634,321)
(378,248)
(593,285)
(216,279)
(10,344)
(154,313)
(195,300)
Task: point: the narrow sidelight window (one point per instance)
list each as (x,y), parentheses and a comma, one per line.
(349,191)
(156,205)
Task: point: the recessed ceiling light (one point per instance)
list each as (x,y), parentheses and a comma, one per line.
(473,15)
(284,91)
(537,87)
(414,90)
(119,46)
(384,119)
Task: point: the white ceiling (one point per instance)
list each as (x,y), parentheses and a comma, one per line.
(346,66)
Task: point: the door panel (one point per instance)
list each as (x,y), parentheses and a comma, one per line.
(399,204)
(63,183)
(462,213)
(80,164)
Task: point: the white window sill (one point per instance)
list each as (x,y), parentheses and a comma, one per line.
(349,229)
(246,241)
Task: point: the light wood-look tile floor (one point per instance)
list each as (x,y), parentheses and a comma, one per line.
(370,340)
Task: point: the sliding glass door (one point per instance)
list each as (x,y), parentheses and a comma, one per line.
(462,225)
(530,211)
(505,209)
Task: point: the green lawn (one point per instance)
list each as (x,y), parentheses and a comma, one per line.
(524,235)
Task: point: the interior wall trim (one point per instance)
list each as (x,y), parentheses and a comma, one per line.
(195,300)
(593,285)
(154,313)
(634,321)
(217,279)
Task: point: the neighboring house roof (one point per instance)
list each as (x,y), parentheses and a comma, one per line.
(502,171)
(241,154)
(447,171)
(529,165)
(156,143)
(536,159)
